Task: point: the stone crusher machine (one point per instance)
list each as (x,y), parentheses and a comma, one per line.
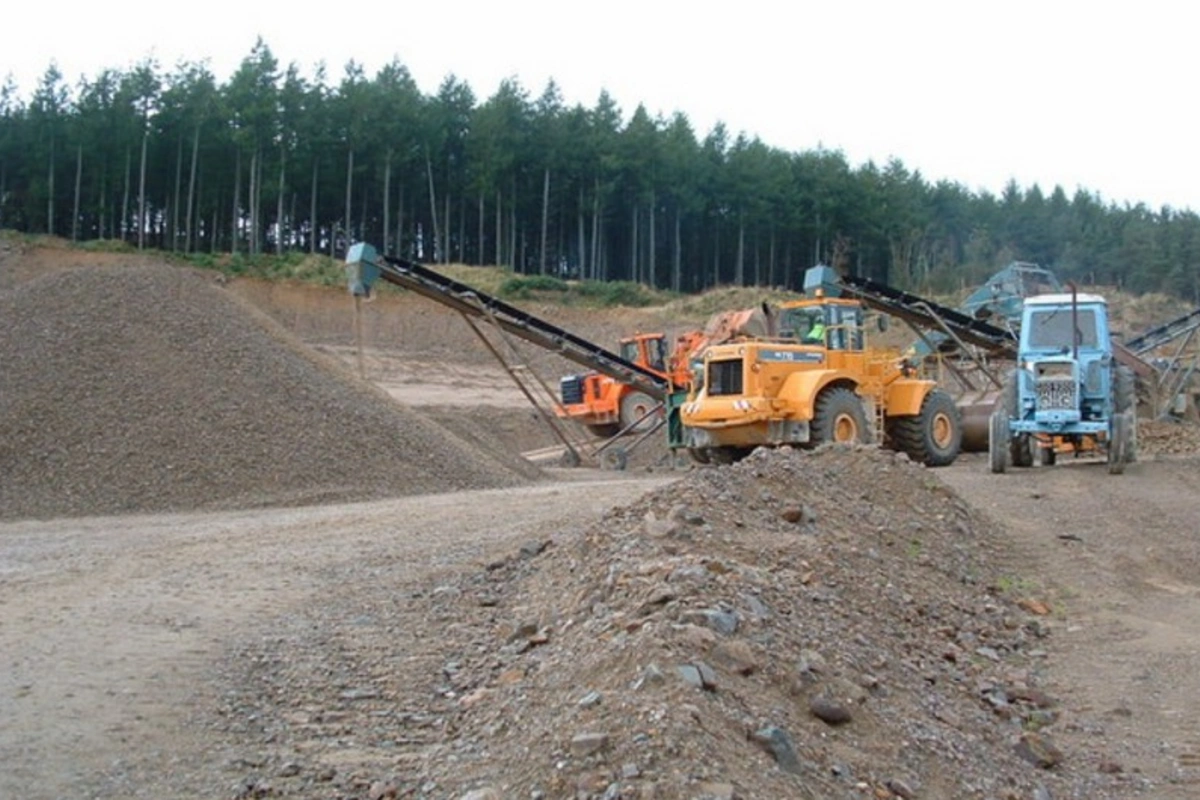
(1170,386)
(365,266)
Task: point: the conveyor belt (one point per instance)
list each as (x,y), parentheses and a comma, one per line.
(929,315)
(415,277)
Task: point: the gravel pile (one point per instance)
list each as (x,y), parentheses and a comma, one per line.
(150,389)
(827,624)
(1168,437)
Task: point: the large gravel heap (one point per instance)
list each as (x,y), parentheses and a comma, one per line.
(825,624)
(148,389)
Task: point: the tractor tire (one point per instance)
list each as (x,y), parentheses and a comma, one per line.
(1124,390)
(635,407)
(1010,395)
(1118,443)
(1020,447)
(1020,450)
(933,437)
(839,418)
(700,455)
(1125,402)
(997,440)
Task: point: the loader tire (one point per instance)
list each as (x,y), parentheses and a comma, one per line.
(839,418)
(635,411)
(727,455)
(932,437)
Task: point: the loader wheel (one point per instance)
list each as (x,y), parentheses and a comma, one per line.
(997,440)
(933,437)
(1118,443)
(727,455)
(699,455)
(839,418)
(635,407)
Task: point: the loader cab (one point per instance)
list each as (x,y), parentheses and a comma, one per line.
(646,350)
(833,324)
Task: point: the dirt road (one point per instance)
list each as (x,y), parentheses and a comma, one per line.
(112,628)
(1118,560)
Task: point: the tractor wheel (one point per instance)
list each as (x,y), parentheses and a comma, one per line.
(933,437)
(1124,389)
(997,440)
(636,408)
(606,431)
(699,455)
(1125,402)
(839,417)
(1020,450)
(1010,399)
(1118,443)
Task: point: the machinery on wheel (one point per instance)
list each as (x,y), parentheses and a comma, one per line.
(1068,392)
(812,379)
(606,406)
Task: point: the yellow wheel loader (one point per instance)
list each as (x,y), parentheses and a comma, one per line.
(814,379)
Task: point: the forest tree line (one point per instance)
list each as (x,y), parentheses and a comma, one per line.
(271,161)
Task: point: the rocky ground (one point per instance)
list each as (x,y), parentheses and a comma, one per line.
(827,624)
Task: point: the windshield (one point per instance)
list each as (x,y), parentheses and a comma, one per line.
(1051,329)
(805,324)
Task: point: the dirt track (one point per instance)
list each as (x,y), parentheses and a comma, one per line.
(113,627)
(1118,559)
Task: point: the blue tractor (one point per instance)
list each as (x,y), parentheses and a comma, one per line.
(1067,394)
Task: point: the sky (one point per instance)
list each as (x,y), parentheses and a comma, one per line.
(1082,95)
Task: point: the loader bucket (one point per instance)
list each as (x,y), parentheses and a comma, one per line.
(976,410)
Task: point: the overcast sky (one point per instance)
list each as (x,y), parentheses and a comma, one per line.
(1099,96)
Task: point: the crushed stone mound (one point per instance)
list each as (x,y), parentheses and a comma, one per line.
(826,624)
(151,389)
(1168,437)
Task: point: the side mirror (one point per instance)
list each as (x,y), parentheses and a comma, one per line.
(881,322)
